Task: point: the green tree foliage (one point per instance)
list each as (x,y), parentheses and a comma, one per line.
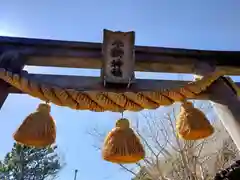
(30,163)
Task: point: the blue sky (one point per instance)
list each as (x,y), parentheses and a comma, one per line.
(198,24)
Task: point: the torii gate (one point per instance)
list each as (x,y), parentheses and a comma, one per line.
(118,77)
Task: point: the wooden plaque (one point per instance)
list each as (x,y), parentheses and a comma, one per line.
(118,57)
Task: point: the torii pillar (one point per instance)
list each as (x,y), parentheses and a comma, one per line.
(14,62)
(225,101)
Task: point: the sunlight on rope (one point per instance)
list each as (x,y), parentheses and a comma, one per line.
(121,145)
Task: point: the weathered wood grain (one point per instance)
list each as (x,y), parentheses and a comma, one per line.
(86,83)
(118,60)
(56,53)
(14,62)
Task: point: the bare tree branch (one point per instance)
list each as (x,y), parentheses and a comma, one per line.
(171,158)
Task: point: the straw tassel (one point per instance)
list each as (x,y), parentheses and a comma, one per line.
(38,129)
(122,145)
(192,124)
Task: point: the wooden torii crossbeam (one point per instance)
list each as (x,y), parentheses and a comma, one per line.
(17,52)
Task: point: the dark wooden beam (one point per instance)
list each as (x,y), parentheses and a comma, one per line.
(56,53)
(86,83)
(11,61)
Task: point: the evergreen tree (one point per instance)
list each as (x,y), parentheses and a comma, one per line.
(28,163)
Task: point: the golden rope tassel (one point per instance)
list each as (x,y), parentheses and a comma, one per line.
(122,145)
(38,129)
(192,124)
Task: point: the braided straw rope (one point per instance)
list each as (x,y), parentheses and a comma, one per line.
(107,101)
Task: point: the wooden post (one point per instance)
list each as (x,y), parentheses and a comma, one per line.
(13,62)
(225,102)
